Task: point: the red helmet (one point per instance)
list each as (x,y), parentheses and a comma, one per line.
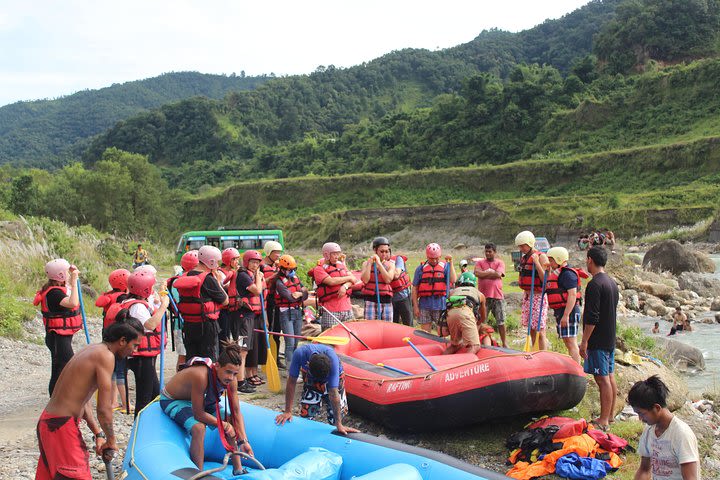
(189,260)
(210,256)
(118,279)
(433,250)
(229,254)
(251,255)
(141,283)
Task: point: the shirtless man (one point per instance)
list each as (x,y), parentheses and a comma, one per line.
(63,453)
(191,396)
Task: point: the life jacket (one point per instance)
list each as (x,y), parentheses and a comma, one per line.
(251,301)
(107,299)
(432,281)
(150,342)
(402,282)
(326,292)
(609,441)
(268,271)
(557,297)
(232,292)
(368,289)
(525,275)
(63,322)
(193,307)
(293,285)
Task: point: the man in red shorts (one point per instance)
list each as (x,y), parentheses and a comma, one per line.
(63,453)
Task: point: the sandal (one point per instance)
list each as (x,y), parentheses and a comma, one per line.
(599,426)
(256,380)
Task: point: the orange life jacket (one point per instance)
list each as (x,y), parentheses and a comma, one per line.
(193,307)
(433,282)
(402,282)
(368,289)
(107,299)
(525,276)
(293,285)
(250,300)
(231,289)
(557,297)
(63,322)
(326,292)
(150,342)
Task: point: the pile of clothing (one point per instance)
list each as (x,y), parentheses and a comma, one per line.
(565,446)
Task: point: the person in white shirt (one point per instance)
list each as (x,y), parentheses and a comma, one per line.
(668,447)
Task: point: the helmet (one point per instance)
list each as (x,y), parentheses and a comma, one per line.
(287,262)
(560,254)
(377,241)
(146,268)
(229,254)
(141,283)
(330,247)
(189,260)
(463,262)
(118,279)
(525,238)
(272,246)
(433,250)
(250,255)
(467,279)
(57,269)
(209,256)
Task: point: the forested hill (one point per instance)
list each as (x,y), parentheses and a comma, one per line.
(45,133)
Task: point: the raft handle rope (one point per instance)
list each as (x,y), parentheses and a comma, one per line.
(222,467)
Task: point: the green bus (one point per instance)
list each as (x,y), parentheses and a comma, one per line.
(222,238)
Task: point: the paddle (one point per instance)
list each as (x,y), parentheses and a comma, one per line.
(393,369)
(109,473)
(407,340)
(329,339)
(82,311)
(271,368)
(163,329)
(528,339)
(536,344)
(346,328)
(377,290)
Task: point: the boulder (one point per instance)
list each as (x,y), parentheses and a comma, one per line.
(715,305)
(656,289)
(701,284)
(460,246)
(626,377)
(671,256)
(683,356)
(704,261)
(717,317)
(672,303)
(632,301)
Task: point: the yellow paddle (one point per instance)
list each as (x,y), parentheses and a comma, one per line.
(271,368)
(326,339)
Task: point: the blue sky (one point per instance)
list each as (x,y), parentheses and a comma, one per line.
(50,48)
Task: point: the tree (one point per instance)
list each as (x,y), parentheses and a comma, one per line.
(24,195)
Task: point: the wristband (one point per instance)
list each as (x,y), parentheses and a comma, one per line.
(241,442)
(99,435)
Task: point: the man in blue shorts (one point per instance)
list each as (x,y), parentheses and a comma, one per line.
(564,297)
(323,384)
(191,399)
(598,341)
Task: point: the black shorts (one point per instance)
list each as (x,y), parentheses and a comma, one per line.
(201,340)
(244,325)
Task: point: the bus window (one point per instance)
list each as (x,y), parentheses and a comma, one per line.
(194,245)
(214,241)
(248,244)
(230,244)
(266,238)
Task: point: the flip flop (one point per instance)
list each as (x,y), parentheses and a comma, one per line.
(599,426)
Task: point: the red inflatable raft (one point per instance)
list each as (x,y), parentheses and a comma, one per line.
(465,389)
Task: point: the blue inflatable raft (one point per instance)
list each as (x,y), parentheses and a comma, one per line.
(301,449)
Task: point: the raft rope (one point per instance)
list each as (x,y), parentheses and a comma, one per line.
(222,467)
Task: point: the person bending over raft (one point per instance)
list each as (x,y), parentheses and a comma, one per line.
(191,398)
(466,314)
(323,383)
(63,453)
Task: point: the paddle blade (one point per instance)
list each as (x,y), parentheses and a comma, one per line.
(273,376)
(536,345)
(528,344)
(330,340)
(274,349)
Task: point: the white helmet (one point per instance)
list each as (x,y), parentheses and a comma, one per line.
(146,268)
(210,256)
(560,254)
(272,246)
(525,237)
(57,269)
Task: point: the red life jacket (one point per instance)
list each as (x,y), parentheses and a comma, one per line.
(268,271)
(557,297)
(150,343)
(402,282)
(326,292)
(231,289)
(251,301)
(525,276)
(432,281)
(368,289)
(293,285)
(193,307)
(107,299)
(63,322)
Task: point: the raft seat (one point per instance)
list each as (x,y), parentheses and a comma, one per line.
(384,355)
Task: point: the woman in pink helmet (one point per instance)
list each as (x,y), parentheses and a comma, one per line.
(430,286)
(60,306)
(250,285)
(333,282)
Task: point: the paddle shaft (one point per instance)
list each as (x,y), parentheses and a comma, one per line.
(273,376)
(346,328)
(302,337)
(377,289)
(109,473)
(409,342)
(532,299)
(394,369)
(82,311)
(163,331)
(542,300)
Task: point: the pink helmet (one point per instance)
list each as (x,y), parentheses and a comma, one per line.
(228,254)
(330,247)
(141,283)
(57,269)
(189,260)
(118,279)
(250,255)
(209,256)
(146,268)
(433,250)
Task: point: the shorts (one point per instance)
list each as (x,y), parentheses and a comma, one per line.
(496,306)
(63,453)
(536,311)
(181,412)
(600,362)
(327,321)
(573,324)
(201,339)
(371,311)
(179,345)
(463,327)
(429,316)
(243,329)
(315,395)
(120,372)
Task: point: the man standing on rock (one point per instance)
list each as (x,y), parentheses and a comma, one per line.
(63,453)
(598,341)
(490,272)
